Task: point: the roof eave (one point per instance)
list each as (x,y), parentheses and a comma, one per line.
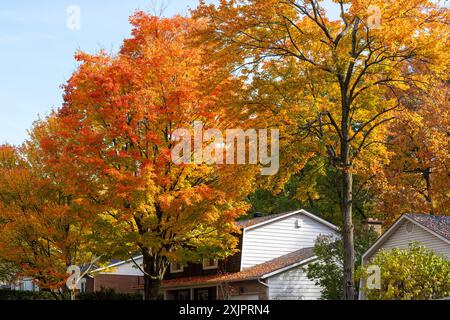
(116,264)
(392,229)
(301,211)
(289,267)
(253,278)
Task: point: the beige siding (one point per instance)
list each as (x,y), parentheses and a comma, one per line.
(401,238)
(280,237)
(293,285)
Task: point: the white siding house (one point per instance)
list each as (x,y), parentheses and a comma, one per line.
(24,285)
(413,228)
(275,253)
(431,231)
(274,238)
(408,232)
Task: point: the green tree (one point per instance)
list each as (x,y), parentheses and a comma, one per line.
(314,188)
(415,273)
(327,270)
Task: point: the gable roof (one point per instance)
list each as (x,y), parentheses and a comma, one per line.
(260,271)
(116,264)
(436,225)
(242,224)
(256,222)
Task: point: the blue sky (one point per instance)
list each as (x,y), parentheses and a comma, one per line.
(37,48)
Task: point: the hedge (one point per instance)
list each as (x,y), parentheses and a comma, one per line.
(26,295)
(108,294)
(104,294)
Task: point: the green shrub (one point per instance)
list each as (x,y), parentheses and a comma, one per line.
(326,272)
(108,294)
(26,295)
(415,273)
(103,294)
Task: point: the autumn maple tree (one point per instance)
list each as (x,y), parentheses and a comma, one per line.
(42,230)
(332,85)
(112,141)
(416,177)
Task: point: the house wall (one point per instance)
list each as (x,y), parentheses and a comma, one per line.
(119,283)
(25,285)
(293,285)
(126,269)
(229,265)
(243,291)
(280,237)
(89,283)
(401,238)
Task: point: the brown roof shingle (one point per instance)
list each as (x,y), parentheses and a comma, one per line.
(437,224)
(251,222)
(252,273)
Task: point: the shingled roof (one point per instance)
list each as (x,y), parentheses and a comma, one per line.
(252,273)
(438,224)
(243,224)
(254,221)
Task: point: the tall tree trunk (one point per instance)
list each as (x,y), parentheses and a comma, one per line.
(152,283)
(347,202)
(347,235)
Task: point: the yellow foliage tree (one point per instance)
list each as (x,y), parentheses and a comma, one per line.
(333,85)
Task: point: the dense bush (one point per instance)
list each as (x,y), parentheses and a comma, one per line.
(414,273)
(108,294)
(104,294)
(26,295)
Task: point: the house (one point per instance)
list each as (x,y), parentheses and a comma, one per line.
(273,253)
(270,264)
(25,284)
(121,276)
(432,231)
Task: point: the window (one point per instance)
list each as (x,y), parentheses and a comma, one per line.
(183,295)
(176,267)
(205,294)
(210,264)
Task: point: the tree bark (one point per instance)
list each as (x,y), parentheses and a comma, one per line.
(347,202)
(152,283)
(347,235)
